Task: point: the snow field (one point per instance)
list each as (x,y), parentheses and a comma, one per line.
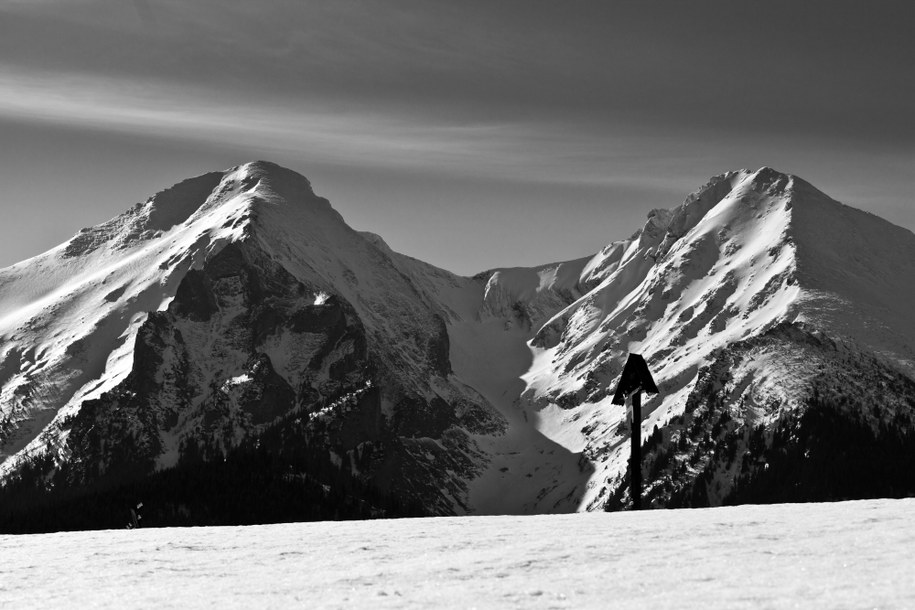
(841,555)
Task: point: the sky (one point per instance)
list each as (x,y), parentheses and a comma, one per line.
(468,134)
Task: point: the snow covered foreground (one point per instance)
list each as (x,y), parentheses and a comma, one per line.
(842,555)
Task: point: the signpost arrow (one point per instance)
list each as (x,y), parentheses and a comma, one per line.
(636,378)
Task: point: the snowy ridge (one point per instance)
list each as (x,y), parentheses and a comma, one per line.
(70,316)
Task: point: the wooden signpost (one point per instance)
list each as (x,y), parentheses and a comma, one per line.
(636,378)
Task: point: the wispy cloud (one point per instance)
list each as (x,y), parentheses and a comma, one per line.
(319,130)
(599,94)
(838,72)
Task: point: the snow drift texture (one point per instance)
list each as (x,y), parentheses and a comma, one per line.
(839,555)
(236,300)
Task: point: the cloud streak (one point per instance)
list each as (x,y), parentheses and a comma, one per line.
(834,68)
(506,151)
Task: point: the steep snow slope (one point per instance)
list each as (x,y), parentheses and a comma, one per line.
(69,317)
(858,275)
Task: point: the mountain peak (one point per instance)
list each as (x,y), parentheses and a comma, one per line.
(177,204)
(266,183)
(228,196)
(277,176)
(262,165)
(768,174)
(770,181)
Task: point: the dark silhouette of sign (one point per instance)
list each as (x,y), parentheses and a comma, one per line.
(636,378)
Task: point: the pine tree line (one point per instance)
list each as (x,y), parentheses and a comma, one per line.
(279,476)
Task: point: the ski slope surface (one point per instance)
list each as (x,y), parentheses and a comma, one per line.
(842,555)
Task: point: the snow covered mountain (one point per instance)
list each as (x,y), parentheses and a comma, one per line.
(216,308)
(745,255)
(237,302)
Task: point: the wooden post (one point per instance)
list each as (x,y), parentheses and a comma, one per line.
(635,379)
(635,461)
